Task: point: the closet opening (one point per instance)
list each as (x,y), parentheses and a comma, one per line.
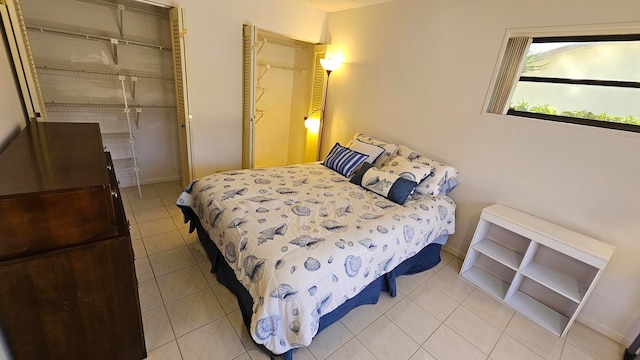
(119,63)
(278,74)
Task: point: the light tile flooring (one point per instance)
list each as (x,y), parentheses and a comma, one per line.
(187,314)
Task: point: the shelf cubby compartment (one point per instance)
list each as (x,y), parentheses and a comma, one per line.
(540,269)
(499,253)
(543,306)
(563,274)
(490,275)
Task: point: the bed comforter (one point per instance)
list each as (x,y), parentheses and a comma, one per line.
(303,240)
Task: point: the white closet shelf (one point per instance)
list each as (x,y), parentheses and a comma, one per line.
(85,36)
(98,74)
(285,43)
(271,66)
(118,138)
(110,108)
(126,164)
(126,8)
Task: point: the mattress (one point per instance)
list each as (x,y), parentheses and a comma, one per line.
(303,240)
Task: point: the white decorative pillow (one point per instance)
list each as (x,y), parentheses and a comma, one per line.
(389,149)
(409,170)
(391,186)
(374,151)
(343,160)
(443,179)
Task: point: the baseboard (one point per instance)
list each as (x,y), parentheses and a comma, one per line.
(611,334)
(160,180)
(130,181)
(453,251)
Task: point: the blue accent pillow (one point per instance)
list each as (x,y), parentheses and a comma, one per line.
(391,186)
(344,160)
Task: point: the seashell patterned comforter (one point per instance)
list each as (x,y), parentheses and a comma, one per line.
(303,240)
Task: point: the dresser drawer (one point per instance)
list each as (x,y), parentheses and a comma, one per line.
(36,224)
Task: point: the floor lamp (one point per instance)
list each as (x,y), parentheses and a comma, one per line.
(328,64)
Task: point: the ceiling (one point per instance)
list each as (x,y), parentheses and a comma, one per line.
(337,5)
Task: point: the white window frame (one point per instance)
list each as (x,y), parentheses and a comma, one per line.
(560,31)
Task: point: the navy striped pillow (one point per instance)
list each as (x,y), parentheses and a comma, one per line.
(344,160)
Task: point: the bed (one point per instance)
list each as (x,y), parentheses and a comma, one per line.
(302,245)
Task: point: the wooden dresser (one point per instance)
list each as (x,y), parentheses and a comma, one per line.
(68,288)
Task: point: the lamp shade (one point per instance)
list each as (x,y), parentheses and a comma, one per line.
(329,64)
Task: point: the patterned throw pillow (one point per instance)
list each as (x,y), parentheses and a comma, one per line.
(409,170)
(343,160)
(443,179)
(391,186)
(389,149)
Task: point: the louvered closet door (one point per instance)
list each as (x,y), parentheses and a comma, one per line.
(249,39)
(318,82)
(178,33)
(22,57)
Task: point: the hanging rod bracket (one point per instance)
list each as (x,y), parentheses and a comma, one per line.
(266,68)
(114,50)
(138,111)
(121,9)
(134,79)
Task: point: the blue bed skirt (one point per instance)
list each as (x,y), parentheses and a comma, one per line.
(422,261)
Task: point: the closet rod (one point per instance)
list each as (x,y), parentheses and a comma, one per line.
(92,73)
(95,37)
(126,8)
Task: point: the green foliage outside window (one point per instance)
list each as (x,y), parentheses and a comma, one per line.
(522,105)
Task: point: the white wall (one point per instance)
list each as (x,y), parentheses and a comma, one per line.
(12,116)
(417,72)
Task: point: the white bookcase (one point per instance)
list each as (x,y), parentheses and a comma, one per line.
(540,269)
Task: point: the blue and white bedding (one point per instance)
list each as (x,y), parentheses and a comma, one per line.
(303,240)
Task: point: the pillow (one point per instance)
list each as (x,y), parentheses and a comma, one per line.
(391,186)
(389,149)
(343,160)
(406,169)
(373,151)
(443,179)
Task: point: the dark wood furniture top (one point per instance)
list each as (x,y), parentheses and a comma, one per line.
(68,288)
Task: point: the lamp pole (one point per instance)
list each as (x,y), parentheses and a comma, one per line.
(324,108)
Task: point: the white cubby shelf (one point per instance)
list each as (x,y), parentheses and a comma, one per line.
(540,269)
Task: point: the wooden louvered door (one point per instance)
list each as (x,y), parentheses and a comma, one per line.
(16,31)
(178,33)
(249,38)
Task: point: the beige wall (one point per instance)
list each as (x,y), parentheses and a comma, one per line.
(418,71)
(12,116)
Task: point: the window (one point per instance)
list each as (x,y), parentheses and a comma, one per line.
(587,80)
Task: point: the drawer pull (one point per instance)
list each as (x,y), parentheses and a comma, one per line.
(114,194)
(109,167)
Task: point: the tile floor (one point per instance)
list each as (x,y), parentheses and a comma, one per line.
(187,314)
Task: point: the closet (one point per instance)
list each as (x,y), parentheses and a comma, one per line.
(110,62)
(278,75)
